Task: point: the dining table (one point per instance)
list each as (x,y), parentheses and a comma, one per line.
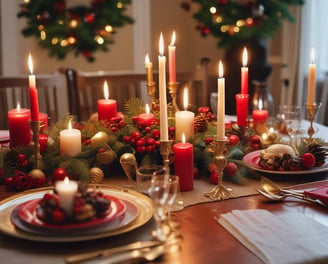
(203,238)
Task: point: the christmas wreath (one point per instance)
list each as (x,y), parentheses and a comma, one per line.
(235,20)
(82,29)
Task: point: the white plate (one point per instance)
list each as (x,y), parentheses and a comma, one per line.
(140,201)
(252,159)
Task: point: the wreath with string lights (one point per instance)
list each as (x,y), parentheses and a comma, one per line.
(237,20)
(79,29)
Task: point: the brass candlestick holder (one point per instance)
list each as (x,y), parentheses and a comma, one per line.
(35,127)
(173,87)
(165,150)
(151,88)
(312,110)
(219,192)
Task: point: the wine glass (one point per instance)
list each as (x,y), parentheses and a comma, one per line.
(292,117)
(158,191)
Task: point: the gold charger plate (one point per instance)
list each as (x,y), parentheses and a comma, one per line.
(7,206)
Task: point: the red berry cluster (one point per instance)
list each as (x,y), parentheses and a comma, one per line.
(146,141)
(116,123)
(22,181)
(205,111)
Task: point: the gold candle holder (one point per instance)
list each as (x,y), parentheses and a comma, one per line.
(173,87)
(35,127)
(220,192)
(151,88)
(165,150)
(311,110)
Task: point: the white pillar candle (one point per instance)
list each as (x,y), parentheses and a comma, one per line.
(184,121)
(162,91)
(70,141)
(221,105)
(66,191)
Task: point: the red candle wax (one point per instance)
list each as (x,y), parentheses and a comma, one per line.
(43,117)
(34,101)
(184,165)
(260,116)
(242,109)
(106,109)
(19,127)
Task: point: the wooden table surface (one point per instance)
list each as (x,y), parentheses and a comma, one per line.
(204,240)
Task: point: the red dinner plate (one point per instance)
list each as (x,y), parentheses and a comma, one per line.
(253,158)
(27,212)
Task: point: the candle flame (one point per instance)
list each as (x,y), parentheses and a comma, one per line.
(106,92)
(18,107)
(173,39)
(66,180)
(30,63)
(245,57)
(183,138)
(185,98)
(260,104)
(161,45)
(147,60)
(70,125)
(147,109)
(220,69)
(312,56)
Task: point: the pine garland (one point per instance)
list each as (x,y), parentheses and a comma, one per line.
(235,20)
(79,29)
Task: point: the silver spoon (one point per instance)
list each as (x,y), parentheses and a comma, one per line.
(279,197)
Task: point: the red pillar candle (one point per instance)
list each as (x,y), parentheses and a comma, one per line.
(242,109)
(147,118)
(260,116)
(106,107)
(172,64)
(244,74)
(19,127)
(34,101)
(184,164)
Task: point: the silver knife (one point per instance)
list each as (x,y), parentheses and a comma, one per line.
(107,252)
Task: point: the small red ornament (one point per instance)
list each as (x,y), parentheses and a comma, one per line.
(230,169)
(89,18)
(233,140)
(214,177)
(308,160)
(59,174)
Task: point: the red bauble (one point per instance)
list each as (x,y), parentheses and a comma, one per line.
(308,160)
(89,18)
(230,169)
(59,174)
(233,140)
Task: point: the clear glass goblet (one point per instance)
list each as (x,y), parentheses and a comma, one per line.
(292,115)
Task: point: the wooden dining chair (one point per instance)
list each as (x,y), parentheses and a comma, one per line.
(84,89)
(15,89)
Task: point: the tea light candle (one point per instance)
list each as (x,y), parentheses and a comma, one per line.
(164,133)
(70,141)
(106,107)
(244,73)
(184,120)
(19,127)
(34,101)
(147,118)
(184,164)
(66,190)
(172,63)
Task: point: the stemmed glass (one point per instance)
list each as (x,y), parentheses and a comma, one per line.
(163,191)
(292,117)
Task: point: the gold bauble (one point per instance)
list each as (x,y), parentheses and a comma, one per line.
(106,157)
(96,175)
(37,174)
(99,138)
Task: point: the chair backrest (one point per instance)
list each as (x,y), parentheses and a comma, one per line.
(84,89)
(15,89)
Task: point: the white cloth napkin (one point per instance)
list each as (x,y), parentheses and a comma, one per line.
(279,238)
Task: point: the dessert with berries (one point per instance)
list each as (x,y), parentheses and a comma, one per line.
(88,204)
(279,157)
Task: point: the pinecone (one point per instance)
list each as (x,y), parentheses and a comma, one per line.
(200,124)
(318,152)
